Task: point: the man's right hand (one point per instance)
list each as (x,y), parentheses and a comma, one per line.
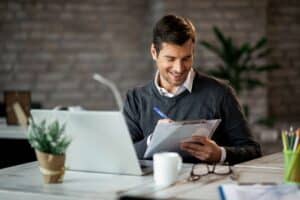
(158,122)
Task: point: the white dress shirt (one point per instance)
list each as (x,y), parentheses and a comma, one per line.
(187,85)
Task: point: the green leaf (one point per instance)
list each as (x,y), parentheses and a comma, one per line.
(212,48)
(267,121)
(253,83)
(243,51)
(220,36)
(264,53)
(262,42)
(229,52)
(246,110)
(268,67)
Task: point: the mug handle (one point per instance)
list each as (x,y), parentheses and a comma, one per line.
(179,166)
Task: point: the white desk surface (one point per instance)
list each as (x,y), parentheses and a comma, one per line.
(11,131)
(25,182)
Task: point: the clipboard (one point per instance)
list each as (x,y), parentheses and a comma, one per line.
(167,136)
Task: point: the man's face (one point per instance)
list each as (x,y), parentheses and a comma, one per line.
(174,63)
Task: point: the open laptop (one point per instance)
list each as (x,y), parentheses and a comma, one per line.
(100,141)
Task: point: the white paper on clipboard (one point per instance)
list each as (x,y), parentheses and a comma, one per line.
(167,136)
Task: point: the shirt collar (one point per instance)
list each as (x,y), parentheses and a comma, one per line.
(187,85)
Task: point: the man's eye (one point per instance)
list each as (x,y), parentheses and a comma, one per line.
(186,59)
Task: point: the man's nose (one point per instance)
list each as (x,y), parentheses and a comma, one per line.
(178,66)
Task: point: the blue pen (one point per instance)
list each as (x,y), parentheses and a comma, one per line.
(161,114)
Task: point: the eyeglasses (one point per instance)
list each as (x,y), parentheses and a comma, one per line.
(199,170)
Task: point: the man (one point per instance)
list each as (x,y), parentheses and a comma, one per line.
(184,94)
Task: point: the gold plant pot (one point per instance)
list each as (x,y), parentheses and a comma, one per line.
(51,166)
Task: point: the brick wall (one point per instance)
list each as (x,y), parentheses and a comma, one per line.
(53,47)
(284,88)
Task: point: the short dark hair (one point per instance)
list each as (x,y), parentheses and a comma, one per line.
(173,29)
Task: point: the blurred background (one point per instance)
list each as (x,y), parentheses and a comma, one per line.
(52,48)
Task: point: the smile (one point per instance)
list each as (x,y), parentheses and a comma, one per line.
(177,75)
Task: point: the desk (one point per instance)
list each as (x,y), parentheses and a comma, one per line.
(25,182)
(12,131)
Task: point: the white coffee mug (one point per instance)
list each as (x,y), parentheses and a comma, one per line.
(166,166)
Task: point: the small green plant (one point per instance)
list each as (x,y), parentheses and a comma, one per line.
(48,138)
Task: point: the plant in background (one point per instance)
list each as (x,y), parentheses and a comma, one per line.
(48,139)
(240,64)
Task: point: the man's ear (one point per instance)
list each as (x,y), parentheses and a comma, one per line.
(153,52)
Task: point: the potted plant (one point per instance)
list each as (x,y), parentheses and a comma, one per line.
(240,65)
(50,144)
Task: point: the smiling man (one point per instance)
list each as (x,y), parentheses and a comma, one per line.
(182,93)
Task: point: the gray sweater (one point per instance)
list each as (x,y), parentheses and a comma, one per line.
(209,99)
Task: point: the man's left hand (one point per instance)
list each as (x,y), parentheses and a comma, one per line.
(202,148)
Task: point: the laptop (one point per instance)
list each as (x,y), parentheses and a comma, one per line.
(100,141)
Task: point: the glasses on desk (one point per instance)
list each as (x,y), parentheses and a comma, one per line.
(200,170)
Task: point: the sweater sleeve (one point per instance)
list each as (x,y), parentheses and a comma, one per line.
(131,114)
(242,146)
